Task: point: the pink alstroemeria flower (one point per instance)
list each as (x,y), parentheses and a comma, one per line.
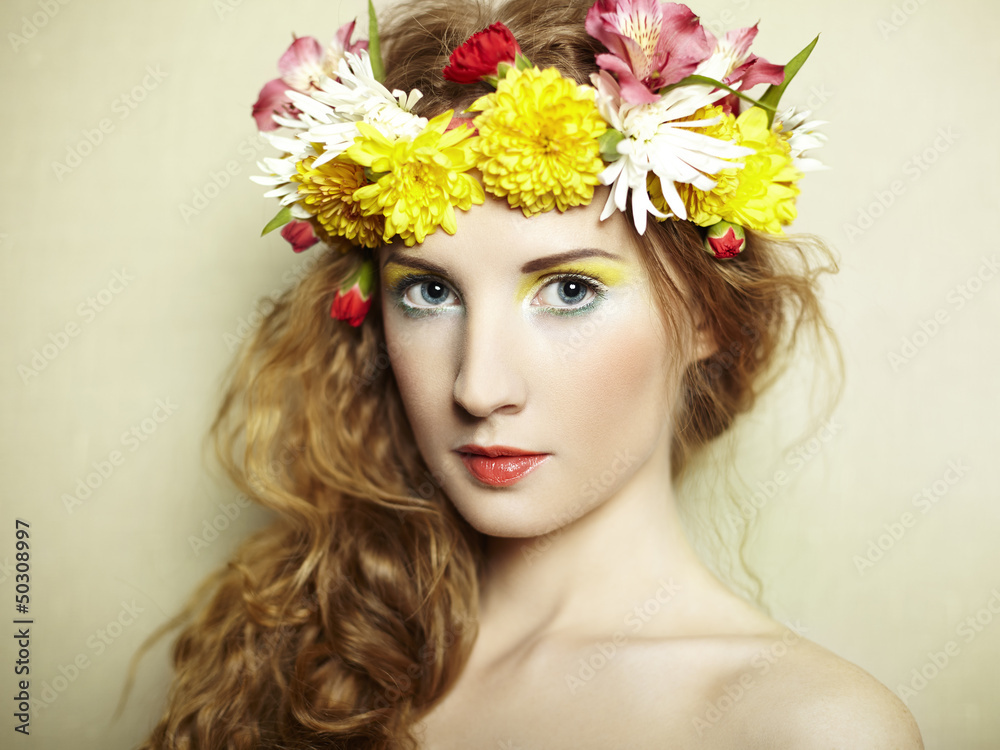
(302,65)
(732,63)
(651,44)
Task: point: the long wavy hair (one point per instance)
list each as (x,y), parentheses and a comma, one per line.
(353,612)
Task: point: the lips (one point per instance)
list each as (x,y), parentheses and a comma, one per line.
(499,465)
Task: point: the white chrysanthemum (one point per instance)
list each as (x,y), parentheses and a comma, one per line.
(279,172)
(658,140)
(331,113)
(279,177)
(799,130)
(328,116)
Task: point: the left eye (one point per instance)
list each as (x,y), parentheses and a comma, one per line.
(571,291)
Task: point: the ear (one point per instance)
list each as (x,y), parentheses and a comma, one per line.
(703,343)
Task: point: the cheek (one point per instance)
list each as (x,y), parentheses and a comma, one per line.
(613,381)
(420,371)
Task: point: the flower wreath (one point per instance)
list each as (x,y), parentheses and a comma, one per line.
(661,123)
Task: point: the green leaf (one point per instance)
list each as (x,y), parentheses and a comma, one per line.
(608,143)
(283,217)
(366,278)
(773,94)
(720,85)
(374,46)
(521,62)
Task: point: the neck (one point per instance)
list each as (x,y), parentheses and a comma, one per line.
(625,565)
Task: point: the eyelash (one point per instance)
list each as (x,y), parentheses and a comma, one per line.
(398,293)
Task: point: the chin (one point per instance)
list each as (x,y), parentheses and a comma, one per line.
(515,512)
(508,523)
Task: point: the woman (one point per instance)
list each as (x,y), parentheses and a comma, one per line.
(477,540)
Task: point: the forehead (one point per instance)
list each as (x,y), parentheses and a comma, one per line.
(499,235)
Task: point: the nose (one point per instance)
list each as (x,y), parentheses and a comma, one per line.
(490,375)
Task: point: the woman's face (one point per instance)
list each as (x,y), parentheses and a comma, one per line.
(535,334)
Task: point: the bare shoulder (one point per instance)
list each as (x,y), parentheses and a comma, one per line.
(808,697)
(747,681)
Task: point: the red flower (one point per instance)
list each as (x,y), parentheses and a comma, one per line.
(724,240)
(481,54)
(300,234)
(354,298)
(350,307)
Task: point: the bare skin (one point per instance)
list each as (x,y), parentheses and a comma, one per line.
(599,626)
(698,668)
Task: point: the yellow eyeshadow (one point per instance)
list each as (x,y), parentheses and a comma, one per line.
(606,272)
(394,271)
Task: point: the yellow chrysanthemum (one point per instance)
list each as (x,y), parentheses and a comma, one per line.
(424,178)
(759,196)
(537,144)
(328,192)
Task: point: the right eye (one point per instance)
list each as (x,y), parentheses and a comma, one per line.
(422,293)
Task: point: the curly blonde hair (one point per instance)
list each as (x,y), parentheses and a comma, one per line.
(353,612)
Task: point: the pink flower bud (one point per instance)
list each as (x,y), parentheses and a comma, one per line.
(724,240)
(300,234)
(354,298)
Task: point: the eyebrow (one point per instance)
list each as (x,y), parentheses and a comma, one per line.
(531,266)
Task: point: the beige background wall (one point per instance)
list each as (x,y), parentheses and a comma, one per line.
(126,305)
